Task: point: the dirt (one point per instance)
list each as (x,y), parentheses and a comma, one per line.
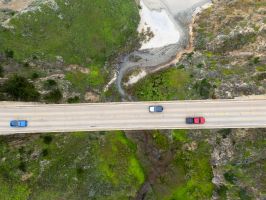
(92,97)
(156,160)
(16,5)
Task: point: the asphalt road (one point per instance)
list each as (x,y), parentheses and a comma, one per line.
(132,116)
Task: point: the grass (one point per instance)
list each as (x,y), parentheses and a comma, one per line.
(261,68)
(161,140)
(81,81)
(118,161)
(188,175)
(89,32)
(197,167)
(180,135)
(171,84)
(73,166)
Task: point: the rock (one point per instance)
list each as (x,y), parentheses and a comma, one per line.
(92,97)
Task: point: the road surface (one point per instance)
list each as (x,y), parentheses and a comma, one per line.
(132,116)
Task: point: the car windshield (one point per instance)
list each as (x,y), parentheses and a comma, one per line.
(14,123)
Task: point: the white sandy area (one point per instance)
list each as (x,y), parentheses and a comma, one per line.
(158,15)
(135,78)
(160,23)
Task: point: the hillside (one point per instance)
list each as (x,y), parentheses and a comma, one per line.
(67,53)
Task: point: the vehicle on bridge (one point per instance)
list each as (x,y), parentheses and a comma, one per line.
(18,123)
(195,120)
(157,108)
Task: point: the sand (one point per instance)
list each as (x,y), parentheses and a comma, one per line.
(164,29)
(159,16)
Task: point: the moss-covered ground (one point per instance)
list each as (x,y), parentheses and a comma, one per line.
(74,166)
(172,84)
(87,34)
(82,32)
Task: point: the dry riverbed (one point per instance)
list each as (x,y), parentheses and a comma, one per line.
(166,31)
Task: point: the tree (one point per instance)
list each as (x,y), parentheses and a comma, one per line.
(20,89)
(1,71)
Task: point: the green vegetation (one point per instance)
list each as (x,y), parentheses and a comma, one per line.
(20,89)
(261,68)
(180,135)
(50,84)
(9,53)
(243,194)
(81,81)
(82,32)
(183,166)
(87,33)
(1,71)
(196,164)
(204,88)
(117,165)
(54,96)
(72,166)
(168,85)
(236,42)
(161,140)
(247,168)
(74,99)
(34,75)
(230,177)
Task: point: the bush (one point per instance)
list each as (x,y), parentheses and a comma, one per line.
(230,177)
(34,75)
(22,166)
(171,84)
(45,152)
(9,53)
(243,194)
(47,139)
(73,99)
(54,96)
(203,88)
(222,192)
(49,84)
(1,71)
(20,89)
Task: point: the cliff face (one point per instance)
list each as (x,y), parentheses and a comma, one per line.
(230,47)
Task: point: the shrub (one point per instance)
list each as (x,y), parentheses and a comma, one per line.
(45,152)
(256,60)
(203,88)
(244,195)
(9,53)
(73,99)
(49,84)
(54,96)
(34,75)
(230,177)
(1,71)
(22,166)
(19,88)
(47,139)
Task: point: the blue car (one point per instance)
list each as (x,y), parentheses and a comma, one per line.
(18,123)
(153,109)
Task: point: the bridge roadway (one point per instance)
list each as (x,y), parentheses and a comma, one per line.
(132,116)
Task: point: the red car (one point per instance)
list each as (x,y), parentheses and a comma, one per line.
(195,120)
